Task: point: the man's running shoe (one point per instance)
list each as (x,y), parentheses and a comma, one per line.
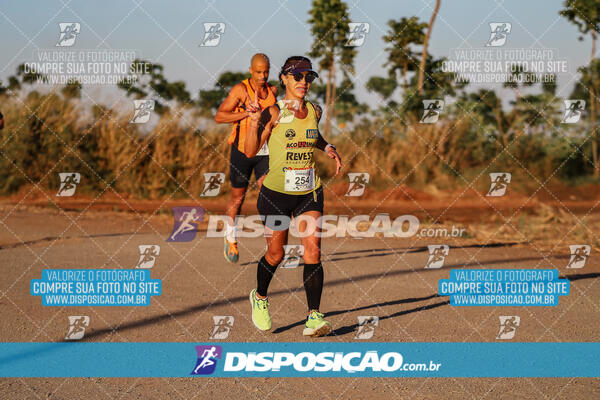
(230,251)
(316,326)
(260,312)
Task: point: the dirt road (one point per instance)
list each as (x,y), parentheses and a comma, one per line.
(382,277)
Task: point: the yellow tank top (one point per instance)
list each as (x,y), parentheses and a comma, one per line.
(291,153)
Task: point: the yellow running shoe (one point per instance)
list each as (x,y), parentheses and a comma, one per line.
(315,325)
(260,312)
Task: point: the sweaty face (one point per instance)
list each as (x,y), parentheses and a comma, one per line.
(260,72)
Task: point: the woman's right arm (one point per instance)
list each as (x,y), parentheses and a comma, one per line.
(259,130)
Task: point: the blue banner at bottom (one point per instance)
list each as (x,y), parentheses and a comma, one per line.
(319,359)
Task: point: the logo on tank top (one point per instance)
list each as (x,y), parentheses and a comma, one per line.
(312,133)
(290,134)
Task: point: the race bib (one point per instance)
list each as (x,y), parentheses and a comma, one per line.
(299,180)
(264,150)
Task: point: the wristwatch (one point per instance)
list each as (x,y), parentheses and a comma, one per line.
(329,145)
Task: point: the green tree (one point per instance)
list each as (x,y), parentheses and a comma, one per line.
(400,36)
(329,21)
(346,106)
(151,82)
(585,14)
(438,84)
(384,87)
(209,100)
(72,90)
(519,74)
(21,78)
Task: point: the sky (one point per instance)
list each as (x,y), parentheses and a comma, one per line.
(169,32)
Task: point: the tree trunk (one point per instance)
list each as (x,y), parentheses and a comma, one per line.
(498,115)
(333,92)
(593,110)
(327,99)
(425,43)
(404,70)
(330,97)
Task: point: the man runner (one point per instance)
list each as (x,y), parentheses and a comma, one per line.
(251,95)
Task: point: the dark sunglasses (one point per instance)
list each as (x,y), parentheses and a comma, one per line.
(309,77)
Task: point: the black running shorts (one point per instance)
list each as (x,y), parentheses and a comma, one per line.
(241,167)
(275,203)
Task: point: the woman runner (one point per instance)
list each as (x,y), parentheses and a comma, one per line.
(291,189)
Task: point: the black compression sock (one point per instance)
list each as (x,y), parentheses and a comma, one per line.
(264,274)
(313,284)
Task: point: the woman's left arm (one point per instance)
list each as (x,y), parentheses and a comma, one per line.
(326,147)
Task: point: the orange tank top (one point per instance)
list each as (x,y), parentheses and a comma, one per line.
(240,127)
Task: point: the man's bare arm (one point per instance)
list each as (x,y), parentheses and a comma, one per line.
(226,114)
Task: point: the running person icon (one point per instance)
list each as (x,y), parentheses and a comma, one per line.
(499,33)
(575,109)
(212,184)
(186,219)
(357,183)
(148,255)
(578,256)
(68,184)
(499,184)
(207,359)
(432,110)
(437,255)
(253,94)
(291,189)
